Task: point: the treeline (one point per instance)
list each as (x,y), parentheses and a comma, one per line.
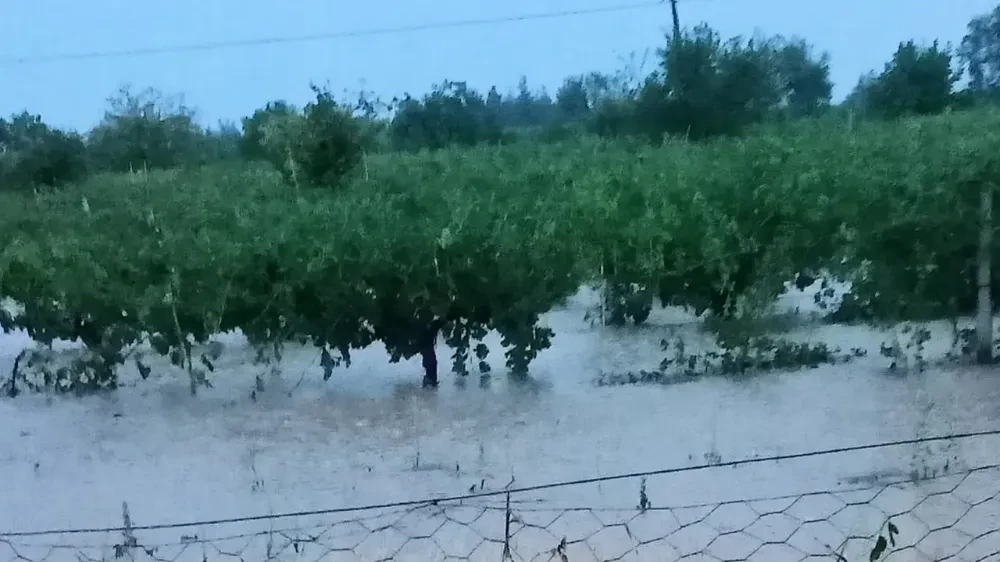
(702,87)
(721,176)
(139,130)
(457,243)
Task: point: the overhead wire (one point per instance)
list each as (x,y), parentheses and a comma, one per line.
(511,491)
(311,37)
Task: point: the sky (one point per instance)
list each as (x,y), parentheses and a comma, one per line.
(229,83)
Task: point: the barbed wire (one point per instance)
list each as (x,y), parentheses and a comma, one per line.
(954,516)
(311,37)
(508,491)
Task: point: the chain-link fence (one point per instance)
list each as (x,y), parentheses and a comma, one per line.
(951,517)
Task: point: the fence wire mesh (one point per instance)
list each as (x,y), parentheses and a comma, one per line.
(950,517)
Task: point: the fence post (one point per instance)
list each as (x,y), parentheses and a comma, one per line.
(506,531)
(984,270)
(129,542)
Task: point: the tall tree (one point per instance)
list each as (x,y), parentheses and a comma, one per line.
(253,144)
(979,52)
(571,98)
(33,154)
(145,129)
(706,87)
(805,78)
(917,81)
(493,99)
(524,103)
(715,87)
(452,114)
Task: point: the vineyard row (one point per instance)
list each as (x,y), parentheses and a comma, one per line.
(456,243)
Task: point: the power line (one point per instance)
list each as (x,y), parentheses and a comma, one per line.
(216,45)
(464,497)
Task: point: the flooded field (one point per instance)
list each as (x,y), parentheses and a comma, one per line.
(371,435)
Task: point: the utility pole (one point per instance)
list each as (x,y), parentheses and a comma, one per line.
(677,20)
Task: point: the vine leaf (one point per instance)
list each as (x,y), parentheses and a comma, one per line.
(880,546)
(893,531)
(328,363)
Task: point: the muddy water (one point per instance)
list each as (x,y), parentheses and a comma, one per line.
(370,435)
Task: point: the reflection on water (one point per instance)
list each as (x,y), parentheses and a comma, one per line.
(371,434)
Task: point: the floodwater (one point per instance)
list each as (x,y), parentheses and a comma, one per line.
(371,435)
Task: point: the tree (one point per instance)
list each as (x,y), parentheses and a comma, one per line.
(452,114)
(525,109)
(319,145)
(805,79)
(252,143)
(706,87)
(979,52)
(223,141)
(145,130)
(524,104)
(612,100)
(713,87)
(858,100)
(917,81)
(493,99)
(33,154)
(571,98)
(332,141)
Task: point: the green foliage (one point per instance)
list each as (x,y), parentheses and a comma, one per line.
(572,99)
(259,130)
(528,108)
(393,260)
(457,242)
(707,87)
(451,115)
(481,234)
(918,81)
(320,145)
(615,118)
(714,88)
(862,201)
(273,135)
(32,154)
(627,302)
(754,355)
(901,243)
(145,131)
(805,79)
(223,142)
(331,141)
(979,52)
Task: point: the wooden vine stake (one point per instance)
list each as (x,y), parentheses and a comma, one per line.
(984,270)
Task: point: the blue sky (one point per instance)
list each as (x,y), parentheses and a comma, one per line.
(860,35)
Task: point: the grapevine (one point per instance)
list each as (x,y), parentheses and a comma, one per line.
(453,244)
